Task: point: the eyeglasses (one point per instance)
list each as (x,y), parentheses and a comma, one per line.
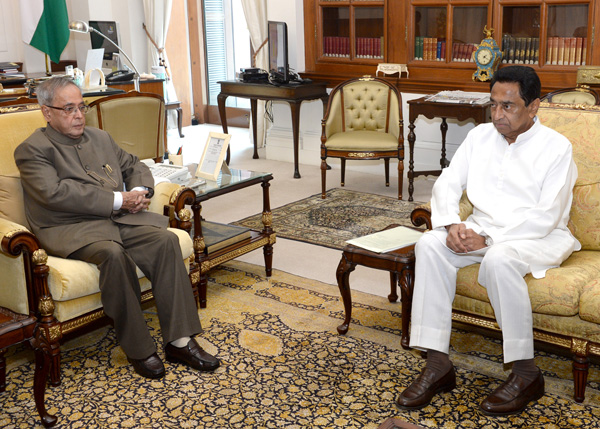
(70,110)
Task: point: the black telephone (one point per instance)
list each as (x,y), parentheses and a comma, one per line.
(120,76)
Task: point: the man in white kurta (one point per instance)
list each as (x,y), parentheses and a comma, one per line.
(519,176)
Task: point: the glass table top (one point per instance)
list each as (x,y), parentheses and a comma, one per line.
(224,180)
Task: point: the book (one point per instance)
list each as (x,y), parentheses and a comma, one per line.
(460,97)
(387,240)
(217,235)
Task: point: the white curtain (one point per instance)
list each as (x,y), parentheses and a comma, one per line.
(255,12)
(157,14)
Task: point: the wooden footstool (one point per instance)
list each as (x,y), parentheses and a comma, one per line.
(401,265)
(16,329)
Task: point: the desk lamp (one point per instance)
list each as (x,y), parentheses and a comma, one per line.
(83,27)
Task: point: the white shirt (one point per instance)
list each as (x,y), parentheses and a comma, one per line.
(521,191)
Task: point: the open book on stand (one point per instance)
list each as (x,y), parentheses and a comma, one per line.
(388,239)
(460,97)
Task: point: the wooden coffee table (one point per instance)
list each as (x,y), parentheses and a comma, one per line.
(401,266)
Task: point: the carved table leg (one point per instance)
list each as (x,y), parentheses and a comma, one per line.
(407,281)
(342,274)
(411,163)
(393,296)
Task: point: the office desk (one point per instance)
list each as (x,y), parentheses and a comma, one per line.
(294,95)
(431,109)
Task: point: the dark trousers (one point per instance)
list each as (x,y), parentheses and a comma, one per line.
(158,254)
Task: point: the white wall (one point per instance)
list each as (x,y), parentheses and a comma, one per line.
(129,14)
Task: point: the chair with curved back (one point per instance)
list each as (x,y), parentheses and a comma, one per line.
(581,94)
(135,120)
(363,121)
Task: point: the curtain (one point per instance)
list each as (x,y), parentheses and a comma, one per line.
(255,12)
(157,14)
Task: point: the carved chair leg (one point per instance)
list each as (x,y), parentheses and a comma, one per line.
(386,164)
(400,178)
(2,370)
(323,178)
(54,364)
(43,360)
(343,176)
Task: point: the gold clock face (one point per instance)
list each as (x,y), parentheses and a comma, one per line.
(484,56)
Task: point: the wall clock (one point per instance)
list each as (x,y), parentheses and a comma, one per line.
(487,57)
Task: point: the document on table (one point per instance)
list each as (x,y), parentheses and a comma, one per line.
(387,240)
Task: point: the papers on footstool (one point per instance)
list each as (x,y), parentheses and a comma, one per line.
(387,240)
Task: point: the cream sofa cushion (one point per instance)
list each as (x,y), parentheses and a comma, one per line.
(360,140)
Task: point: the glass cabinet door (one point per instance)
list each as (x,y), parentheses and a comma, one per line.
(567,31)
(467,31)
(353,29)
(336,32)
(520,34)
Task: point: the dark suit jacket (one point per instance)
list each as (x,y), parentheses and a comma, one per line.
(68,188)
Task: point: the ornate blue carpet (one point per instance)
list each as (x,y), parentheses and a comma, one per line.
(329,222)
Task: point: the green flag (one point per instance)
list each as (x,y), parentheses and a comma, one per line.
(45,26)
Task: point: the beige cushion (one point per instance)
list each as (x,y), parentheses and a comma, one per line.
(362,141)
(582,128)
(70,279)
(574,97)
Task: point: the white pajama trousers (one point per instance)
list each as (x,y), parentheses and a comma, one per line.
(501,273)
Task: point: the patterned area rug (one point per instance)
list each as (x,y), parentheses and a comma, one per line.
(341,216)
(285,366)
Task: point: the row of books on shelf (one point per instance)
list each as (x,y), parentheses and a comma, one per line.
(520,50)
(434,49)
(566,51)
(366,47)
(430,48)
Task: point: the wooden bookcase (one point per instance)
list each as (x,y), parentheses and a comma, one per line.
(335,33)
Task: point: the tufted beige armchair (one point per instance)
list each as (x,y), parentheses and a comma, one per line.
(63,294)
(363,121)
(581,94)
(135,120)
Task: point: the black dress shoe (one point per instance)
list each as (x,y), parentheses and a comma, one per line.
(151,367)
(192,355)
(422,390)
(513,395)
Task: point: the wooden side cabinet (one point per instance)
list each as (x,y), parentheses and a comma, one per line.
(436,39)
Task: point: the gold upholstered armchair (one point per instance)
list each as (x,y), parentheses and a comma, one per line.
(581,94)
(63,294)
(363,121)
(135,120)
(566,302)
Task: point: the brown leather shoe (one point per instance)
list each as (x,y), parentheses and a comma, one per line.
(151,367)
(513,395)
(192,355)
(420,392)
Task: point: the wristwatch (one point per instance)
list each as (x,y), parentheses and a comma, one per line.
(488,240)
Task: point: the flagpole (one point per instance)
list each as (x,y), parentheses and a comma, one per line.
(48,68)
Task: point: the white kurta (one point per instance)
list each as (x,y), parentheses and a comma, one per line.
(520,192)
(521,195)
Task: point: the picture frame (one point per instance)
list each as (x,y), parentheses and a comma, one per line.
(213,156)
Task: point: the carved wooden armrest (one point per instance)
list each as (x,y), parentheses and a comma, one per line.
(17,241)
(421,215)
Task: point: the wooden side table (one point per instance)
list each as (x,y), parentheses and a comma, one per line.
(16,329)
(432,109)
(401,265)
(294,95)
